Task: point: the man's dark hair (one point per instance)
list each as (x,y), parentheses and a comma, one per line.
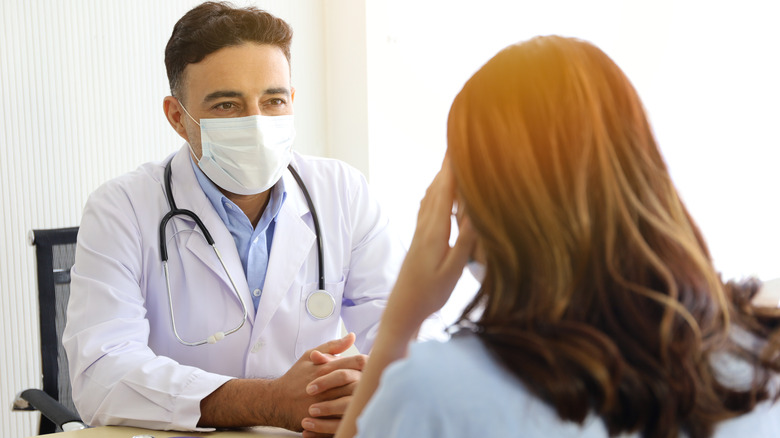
(212,26)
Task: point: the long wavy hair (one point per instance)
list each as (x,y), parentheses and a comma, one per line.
(600,293)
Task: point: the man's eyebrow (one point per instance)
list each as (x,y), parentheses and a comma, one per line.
(279,90)
(220,94)
(229,93)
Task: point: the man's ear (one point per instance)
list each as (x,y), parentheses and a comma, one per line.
(292,94)
(174,114)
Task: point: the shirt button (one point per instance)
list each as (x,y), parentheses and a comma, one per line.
(258,346)
(257,292)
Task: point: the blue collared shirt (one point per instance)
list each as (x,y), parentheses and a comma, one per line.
(253,243)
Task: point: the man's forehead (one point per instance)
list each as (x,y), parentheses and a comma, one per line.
(229,57)
(237,71)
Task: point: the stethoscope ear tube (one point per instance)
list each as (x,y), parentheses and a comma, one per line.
(164,223)
(316,220)
(175,211)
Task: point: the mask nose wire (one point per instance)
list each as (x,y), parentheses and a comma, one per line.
(197,160)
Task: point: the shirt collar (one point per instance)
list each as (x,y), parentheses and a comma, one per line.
(277,196)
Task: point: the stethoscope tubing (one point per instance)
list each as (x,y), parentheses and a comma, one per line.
(316,220)
(218,335)
(174,211)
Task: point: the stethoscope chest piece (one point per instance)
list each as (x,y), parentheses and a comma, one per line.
(320,304)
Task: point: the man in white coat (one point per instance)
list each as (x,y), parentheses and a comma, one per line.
(265,335)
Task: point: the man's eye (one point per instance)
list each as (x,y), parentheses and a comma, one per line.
(224,106)
(276,102)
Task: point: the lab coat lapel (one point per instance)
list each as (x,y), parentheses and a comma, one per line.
(195,200)
(293,242)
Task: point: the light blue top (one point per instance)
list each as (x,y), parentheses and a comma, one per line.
(253,243)
(455,389)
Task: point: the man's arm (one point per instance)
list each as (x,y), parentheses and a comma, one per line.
(118,379)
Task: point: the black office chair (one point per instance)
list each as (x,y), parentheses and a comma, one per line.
(55,251)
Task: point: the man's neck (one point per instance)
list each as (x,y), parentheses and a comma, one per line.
(253,206)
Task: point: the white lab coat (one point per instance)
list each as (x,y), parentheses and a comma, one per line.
(127,367)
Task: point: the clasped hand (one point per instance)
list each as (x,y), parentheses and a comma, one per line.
(319,386)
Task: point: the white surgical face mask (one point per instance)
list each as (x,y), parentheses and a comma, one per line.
(476,269)
(245,155)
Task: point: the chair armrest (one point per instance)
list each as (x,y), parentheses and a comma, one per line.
(51,409)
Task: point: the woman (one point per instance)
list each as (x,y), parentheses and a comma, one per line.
(600,312)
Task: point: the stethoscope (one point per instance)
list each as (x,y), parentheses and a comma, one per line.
(319,304)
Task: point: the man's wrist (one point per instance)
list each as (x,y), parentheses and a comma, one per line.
(242,403)
(274,408)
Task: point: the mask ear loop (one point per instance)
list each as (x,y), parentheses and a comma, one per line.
(197,160)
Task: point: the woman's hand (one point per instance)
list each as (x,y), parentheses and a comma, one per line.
(428,275)
(431,268)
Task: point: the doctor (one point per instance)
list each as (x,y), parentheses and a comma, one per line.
(244,332)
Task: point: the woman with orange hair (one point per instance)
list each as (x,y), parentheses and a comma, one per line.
(600,312)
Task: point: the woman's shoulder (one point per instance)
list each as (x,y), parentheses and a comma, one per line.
(463,360)
(457,389)
(762,422)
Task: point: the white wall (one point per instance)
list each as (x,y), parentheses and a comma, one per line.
(346,87)
(706,70)
(81,89)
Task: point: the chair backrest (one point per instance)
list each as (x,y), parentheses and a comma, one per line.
(55,251)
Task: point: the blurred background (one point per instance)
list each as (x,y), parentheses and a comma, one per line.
(82,83)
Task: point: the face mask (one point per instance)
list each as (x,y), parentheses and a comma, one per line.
(477,270)
(245,155)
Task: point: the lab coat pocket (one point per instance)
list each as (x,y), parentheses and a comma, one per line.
(319,315)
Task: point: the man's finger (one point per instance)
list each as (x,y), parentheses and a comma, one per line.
(337,346)
(318,358)
(320,425)
(334,379)
(310,434)
(330,408)
(354,362)
(325,381)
